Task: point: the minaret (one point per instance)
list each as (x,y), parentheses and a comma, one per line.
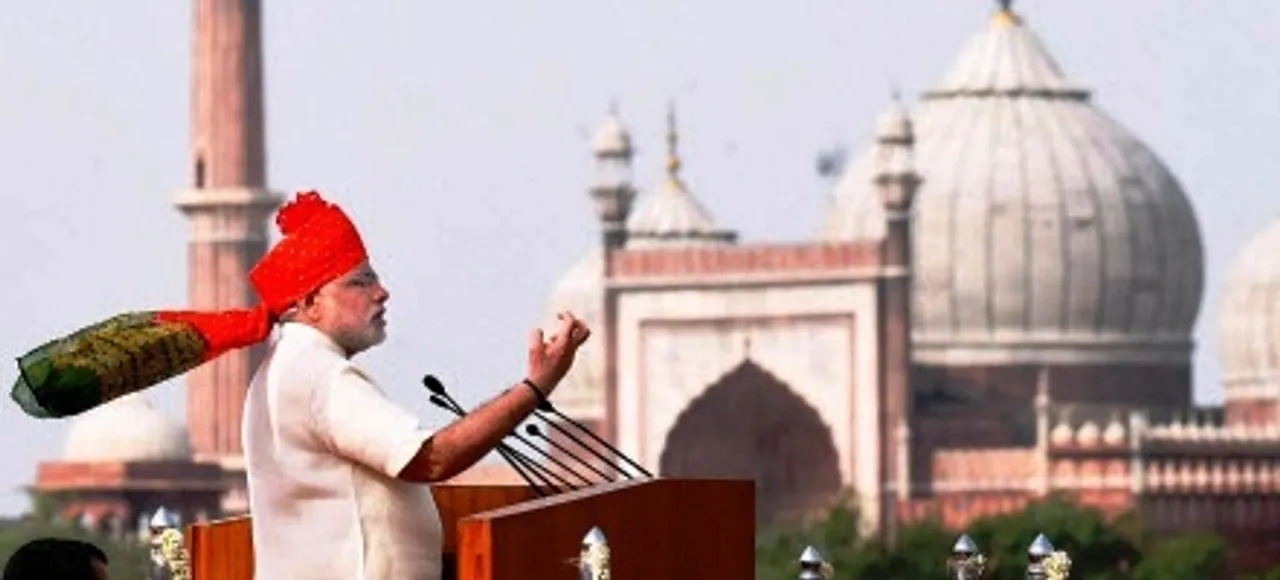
(898,183)
(612,190)
(613,194)
(228,207)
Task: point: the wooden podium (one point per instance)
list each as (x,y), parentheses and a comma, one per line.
(658,528)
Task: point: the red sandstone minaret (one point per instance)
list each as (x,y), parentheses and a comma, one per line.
(228,207)
(898,183)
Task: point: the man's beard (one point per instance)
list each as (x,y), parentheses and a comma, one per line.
(358,341)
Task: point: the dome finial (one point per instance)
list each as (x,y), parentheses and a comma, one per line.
(673,158)
(1005,15)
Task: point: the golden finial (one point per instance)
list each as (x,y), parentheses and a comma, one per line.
(1005,16)
(673,158)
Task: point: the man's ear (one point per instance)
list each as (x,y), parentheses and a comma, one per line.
(307,307)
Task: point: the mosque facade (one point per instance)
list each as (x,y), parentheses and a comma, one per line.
(998,307)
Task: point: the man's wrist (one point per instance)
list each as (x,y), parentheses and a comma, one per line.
(537,390)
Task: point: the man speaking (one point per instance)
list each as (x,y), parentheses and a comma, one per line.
(336,471)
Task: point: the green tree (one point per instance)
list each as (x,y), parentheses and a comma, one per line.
(1195,556)
(45,507)
(1098,550)
(919,553)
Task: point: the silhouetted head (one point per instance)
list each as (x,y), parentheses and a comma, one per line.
(57,559)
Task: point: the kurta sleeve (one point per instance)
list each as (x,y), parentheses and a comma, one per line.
(355,420)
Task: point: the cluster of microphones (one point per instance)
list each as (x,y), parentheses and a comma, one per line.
(540,477)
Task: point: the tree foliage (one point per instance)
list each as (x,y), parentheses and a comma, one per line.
(1100,549)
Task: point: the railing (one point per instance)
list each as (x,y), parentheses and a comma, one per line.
(169,556)
(966,562)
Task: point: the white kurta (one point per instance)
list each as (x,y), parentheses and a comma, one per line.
(322,448)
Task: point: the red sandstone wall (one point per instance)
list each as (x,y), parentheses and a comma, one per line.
(1254,412)
(750,259)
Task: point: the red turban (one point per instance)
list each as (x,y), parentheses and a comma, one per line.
(320,244)
(135,350)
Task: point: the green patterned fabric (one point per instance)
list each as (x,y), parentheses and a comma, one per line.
(101,362)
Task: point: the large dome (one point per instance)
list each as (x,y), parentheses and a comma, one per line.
(1045,232)
(128,429)
(1250,321)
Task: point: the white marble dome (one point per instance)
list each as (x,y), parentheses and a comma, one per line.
(1250,320)
(671,215)
(581,290)
(127,429)
(1044,231)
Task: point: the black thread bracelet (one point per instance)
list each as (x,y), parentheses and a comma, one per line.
(542,398)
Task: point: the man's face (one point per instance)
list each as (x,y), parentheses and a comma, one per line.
(350,310)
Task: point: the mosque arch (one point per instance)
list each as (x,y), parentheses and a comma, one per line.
(750,424)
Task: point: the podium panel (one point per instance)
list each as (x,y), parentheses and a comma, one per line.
(659,528)
(223,550)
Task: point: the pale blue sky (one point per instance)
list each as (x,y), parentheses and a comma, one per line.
(457,135)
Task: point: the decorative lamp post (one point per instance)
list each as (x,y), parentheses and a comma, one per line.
(966,562)
(593,562)
(1046,563)
(168,548)
(813,567)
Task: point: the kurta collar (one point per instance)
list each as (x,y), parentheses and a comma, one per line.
(292,331)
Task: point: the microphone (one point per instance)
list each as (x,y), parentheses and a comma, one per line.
(441,398)
(534,431)
(513,457)
(545,405)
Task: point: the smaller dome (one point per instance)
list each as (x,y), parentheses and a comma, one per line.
(1114,434)
(1250,320)
(1061,434)
(128,429)
(612,138)
(671,215)
(1088,434)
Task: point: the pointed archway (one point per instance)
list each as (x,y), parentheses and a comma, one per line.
(750,424)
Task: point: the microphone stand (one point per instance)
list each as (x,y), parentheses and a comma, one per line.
(545,405)
(520,462)
(534,431)
(442,398)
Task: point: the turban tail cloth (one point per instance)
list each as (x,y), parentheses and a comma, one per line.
(133,351)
